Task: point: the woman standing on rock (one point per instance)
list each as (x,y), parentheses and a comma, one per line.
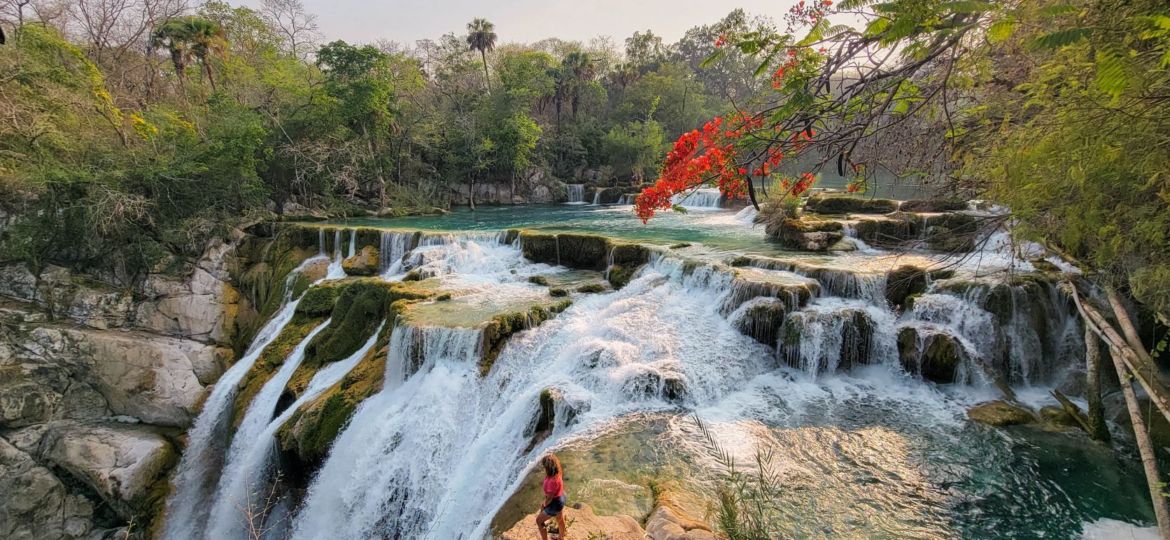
(554,497)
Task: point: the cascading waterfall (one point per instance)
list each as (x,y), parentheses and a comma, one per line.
(335,270)
(194,480)
(438,451)
(352,243)
(576,193)
(705,198)
(235,487)
(597,198)
(249,471)
(434,456)
(393,246)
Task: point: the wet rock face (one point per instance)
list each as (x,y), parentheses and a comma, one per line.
(850,330)
(762,319)
(840,204)
(936,357)
(806,234)
(903,282)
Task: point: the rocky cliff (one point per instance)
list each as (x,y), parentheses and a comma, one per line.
(97,385)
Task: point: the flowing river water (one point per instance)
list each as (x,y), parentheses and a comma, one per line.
(867,452)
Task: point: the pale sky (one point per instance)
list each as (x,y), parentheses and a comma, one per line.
(525,21)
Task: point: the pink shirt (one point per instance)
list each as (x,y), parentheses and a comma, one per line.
(553,486)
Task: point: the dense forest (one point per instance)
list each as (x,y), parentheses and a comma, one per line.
(136,131)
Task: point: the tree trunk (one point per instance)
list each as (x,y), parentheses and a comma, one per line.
(1145,447)
(487,79)
(210,77)
(1097,428)
(471,193)
(1102,327)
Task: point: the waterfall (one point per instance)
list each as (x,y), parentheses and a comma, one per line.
(335,271)
(321,242)
(576,193)
(393,246)
(249,472)
(412,347)
(444,443)
(352,243)
(597,198)
(194,482)
(747,215)
(705,198)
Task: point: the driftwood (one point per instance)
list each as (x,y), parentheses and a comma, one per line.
(1132,361)
(1072,410)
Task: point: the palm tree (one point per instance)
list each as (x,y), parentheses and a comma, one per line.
(481,36)
(190,37)
(579,69)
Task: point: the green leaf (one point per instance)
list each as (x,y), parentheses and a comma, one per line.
(679,208)
(1001,31)
(710,60)
(1058,10)
(1060,38)
(1111,74)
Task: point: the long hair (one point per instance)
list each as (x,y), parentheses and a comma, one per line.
(552,466)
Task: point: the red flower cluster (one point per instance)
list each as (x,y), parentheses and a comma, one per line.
(778,75)
(719,43)
(698,157)
(800,186)
(853,187)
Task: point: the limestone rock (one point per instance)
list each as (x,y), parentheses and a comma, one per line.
(667,523)
(1000,413)
(153,378)
(63,294)
(933,205)
(806,234)
(201,307)
(583,524)
(34,504)
(120,462)
(839,204)
(364,263)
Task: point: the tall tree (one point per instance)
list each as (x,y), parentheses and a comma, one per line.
(190,37)
(579,71)
(481,36)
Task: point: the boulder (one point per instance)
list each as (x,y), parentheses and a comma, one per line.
(201,307)
(934,355)
(903,282)
(62,371)
(582,524)
(35,504)
(843,204)
(761,318)
(120,462)
(1000,413)
(805,234)
(364,263)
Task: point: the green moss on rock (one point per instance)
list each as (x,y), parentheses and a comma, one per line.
(591,288)
(317,301)
(497,331)
(270,359)
(366,262)
(840,204)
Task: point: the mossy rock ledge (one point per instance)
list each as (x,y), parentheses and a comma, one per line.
(937,357)
(585,252)
(1000,413)
(806,234)
(844,204)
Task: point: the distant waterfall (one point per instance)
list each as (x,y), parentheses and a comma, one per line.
(576,193)
(597,198)
(335,270)
(706,198)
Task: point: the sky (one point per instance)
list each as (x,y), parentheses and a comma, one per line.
(524,21)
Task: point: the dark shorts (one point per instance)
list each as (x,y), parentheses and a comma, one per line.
(555,506)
